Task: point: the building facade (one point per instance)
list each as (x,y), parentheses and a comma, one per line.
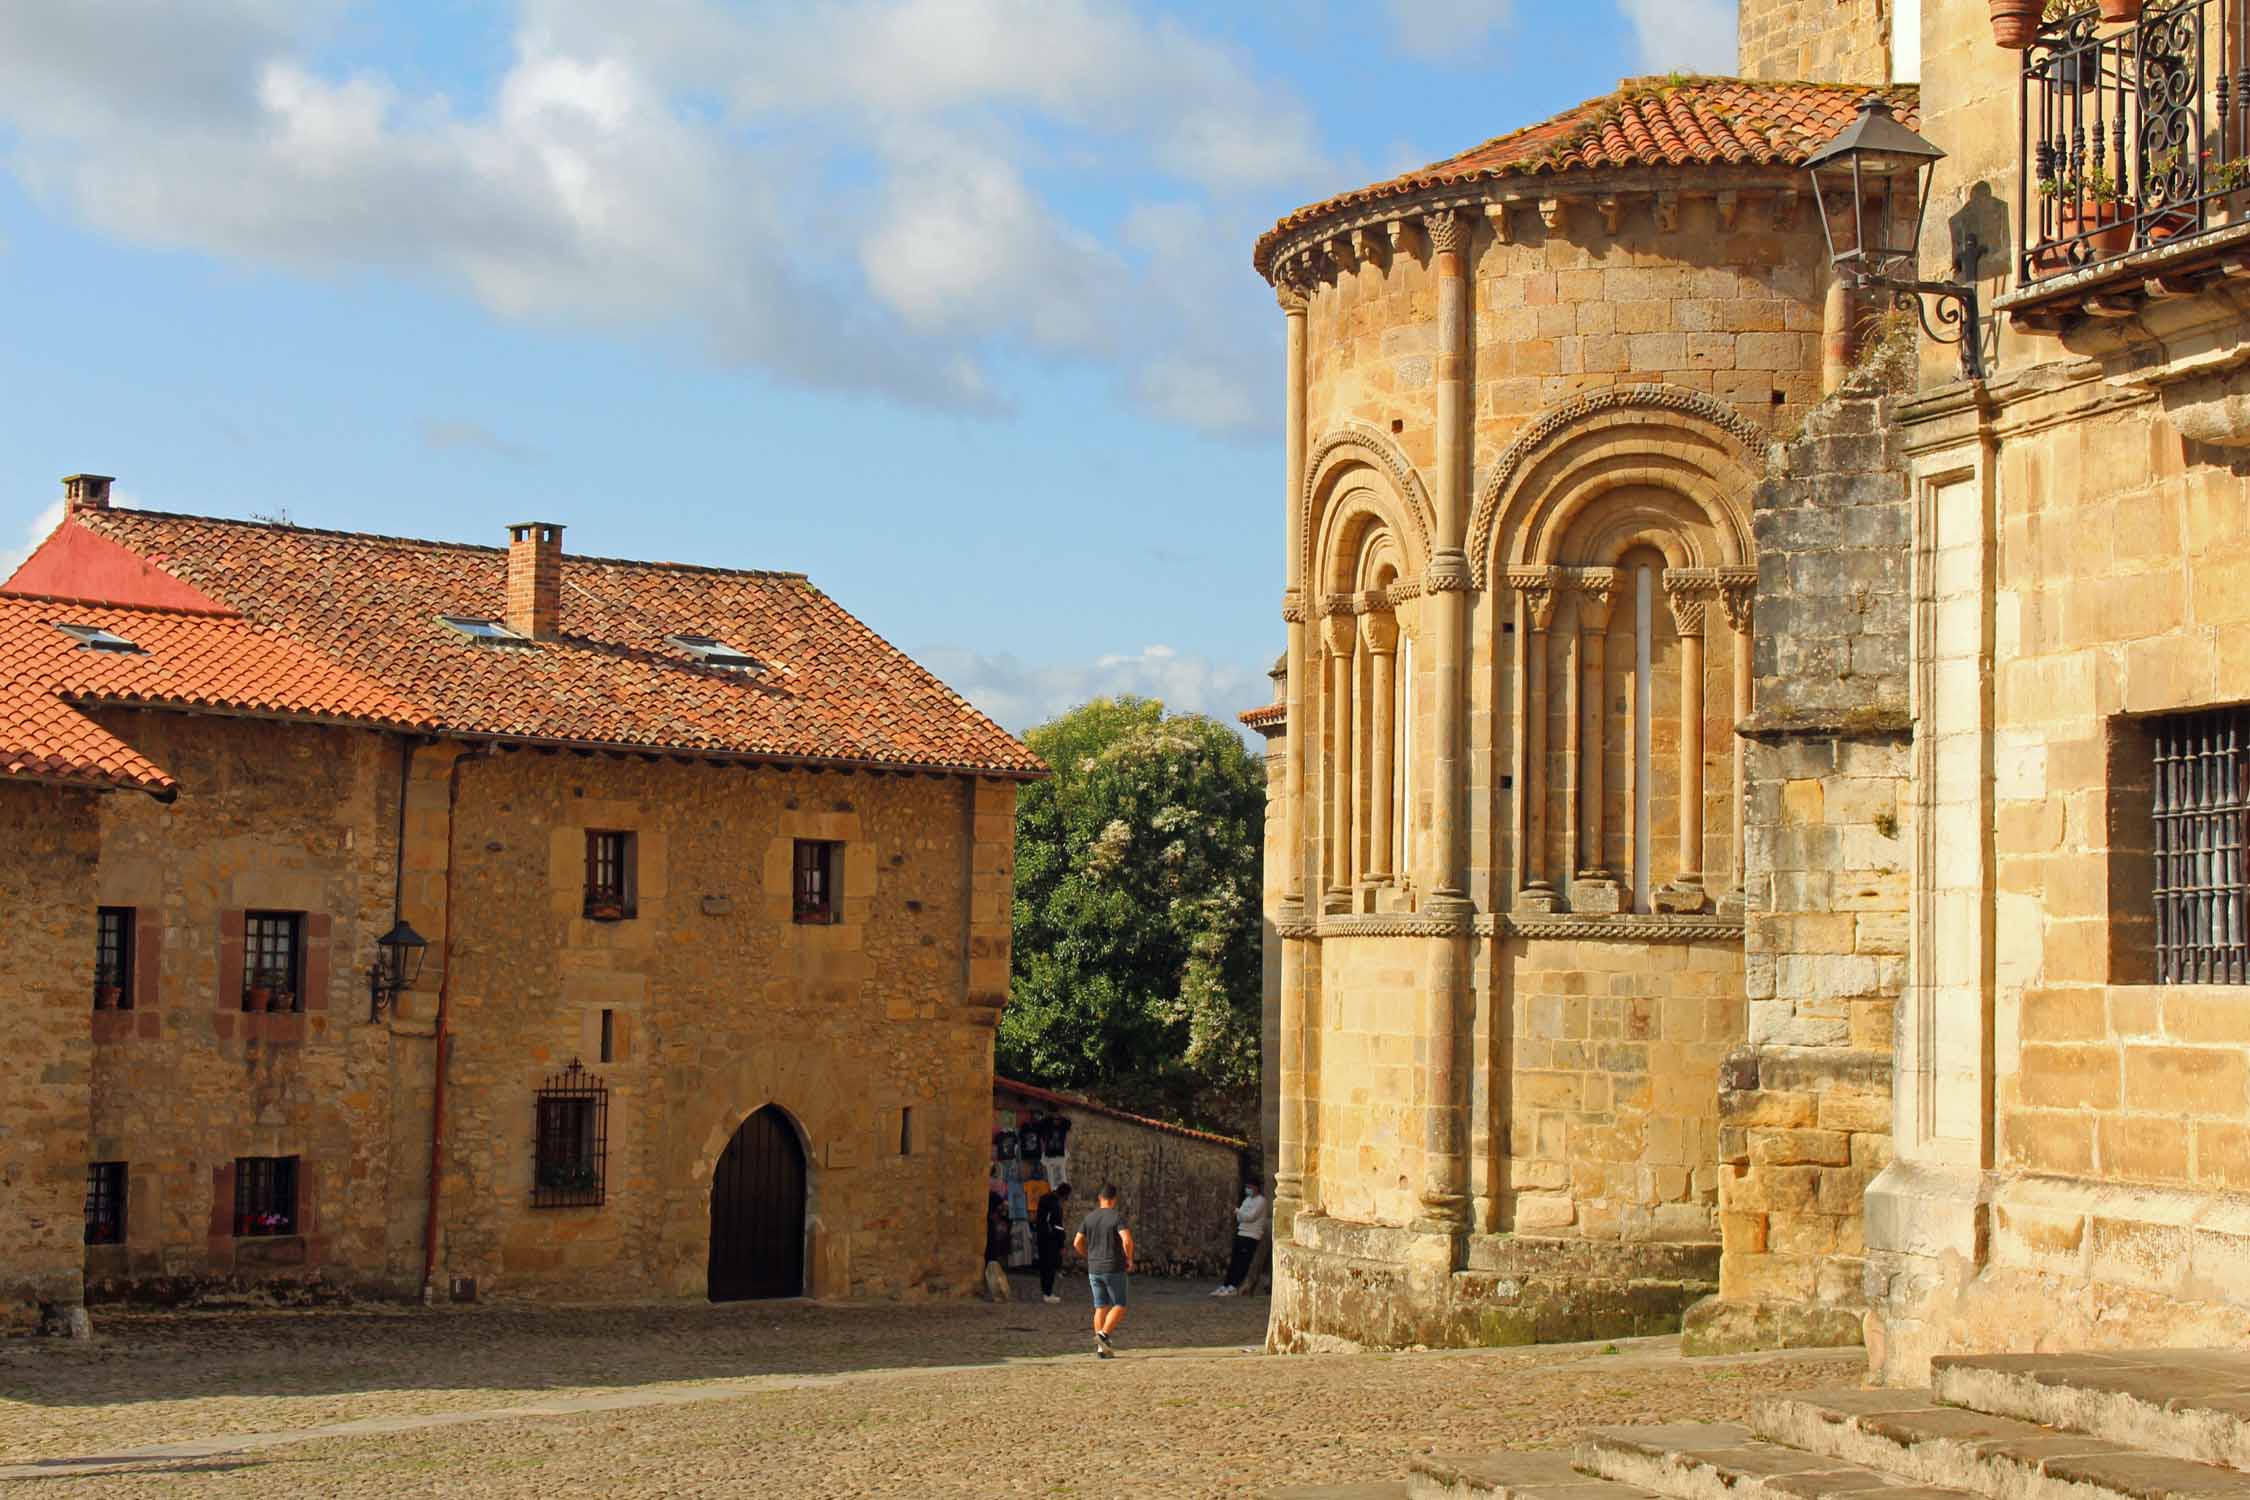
(715,888)
(1763,811)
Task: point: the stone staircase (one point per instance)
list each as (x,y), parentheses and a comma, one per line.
(2157,1425)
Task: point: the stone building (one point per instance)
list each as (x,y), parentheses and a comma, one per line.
(715,886)
(1760,814)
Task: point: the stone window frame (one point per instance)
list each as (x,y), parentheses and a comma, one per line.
(823,907)
(613,853)
(267,1196)
(2140,882)
(107,1183)
(265,936)
(114,931)
(570,1140)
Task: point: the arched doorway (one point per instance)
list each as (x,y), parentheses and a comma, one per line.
(758,1212)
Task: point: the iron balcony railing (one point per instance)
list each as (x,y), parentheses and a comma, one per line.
(2135,134)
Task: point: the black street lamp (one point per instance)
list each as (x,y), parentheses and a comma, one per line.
(398,959)
(1860,180)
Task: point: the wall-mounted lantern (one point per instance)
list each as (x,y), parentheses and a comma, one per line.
(398,960)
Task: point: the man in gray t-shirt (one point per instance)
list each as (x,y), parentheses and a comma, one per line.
(1108,1247)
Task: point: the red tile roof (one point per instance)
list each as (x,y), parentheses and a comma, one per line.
(1647,122)
(831,691)
(1073,1101)
(1259,718)
(186,659)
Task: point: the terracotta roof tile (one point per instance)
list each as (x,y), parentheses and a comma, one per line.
(1269,713)
(1647,122)
(830,690)
(185,659)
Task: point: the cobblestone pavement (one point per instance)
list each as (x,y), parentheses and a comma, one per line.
(789,1399)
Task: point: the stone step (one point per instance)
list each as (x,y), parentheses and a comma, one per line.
(1511,1476)
(1722,1461)
(2184,1403)
(1381,1489)
(1909,1435)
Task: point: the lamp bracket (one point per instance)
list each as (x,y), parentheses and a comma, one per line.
(1956,310)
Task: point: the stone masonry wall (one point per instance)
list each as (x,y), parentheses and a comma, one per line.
(1818,41)
(46,1070)
(1179,1193)
(720,1004)
(1805,1103)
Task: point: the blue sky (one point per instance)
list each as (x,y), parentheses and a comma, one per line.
(946,302)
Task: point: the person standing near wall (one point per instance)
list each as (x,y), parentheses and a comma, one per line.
(1108,1247)
(1250,1220)
(1048,1226)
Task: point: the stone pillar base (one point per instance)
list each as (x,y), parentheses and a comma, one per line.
(1539,900)
(1596,895)
(1680,898)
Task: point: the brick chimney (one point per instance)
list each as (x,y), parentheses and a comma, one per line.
(535,579)
(86,492)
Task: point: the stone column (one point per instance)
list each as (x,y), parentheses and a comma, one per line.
(1342,634)
(1445,1181)
(1379,634)
(1735,599)
(1686,893)
(1595,890)
(1299,736)
(1536,585)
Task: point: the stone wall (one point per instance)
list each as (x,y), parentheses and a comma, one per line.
(1805,1105)
(46,1070)
(1819,41)
(1179,1192)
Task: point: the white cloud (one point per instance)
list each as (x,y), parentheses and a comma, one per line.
(1019,695)
(47,520)
(449,434)
(1447,30)
(1683,36)
(859,194)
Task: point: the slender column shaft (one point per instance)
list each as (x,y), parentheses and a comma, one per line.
(1574,852)
(1741,644)
(1535,757)
(1379,634)
(1691,758)
(1299,737)
(1340,753)
(1593,660)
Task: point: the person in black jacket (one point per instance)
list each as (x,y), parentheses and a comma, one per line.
(1049,1231)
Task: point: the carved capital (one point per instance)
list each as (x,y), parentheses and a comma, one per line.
(1448,573)
(1596,593)
(1448,230)
(1291,296)
(1537,585)
(1339,633)
(1685,598)
(1735,599)
(1293,606)
(1380,632)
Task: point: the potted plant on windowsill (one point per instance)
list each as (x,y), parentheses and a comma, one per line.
(605,904)
(258,995)
(108,993)
(276,990)
(2091,211)
(2016,22)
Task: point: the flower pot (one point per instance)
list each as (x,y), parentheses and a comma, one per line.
(258,997)
(2120,10)
(2106,227)
(106,996)
(278,1002)
(605,911)
(2016,22)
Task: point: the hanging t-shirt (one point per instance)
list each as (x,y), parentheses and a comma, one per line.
(1027,1141)
(1003,1144)
(1034,1189)
(1054,1135)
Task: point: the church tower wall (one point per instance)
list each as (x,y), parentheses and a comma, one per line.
(1817,41)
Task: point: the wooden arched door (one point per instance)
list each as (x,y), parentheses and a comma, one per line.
(758,1212)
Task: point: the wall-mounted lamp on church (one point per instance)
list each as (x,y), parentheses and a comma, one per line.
(1862,179)
(398,959)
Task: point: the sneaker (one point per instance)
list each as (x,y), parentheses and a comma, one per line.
(1102,1351)
(1050,1299)
(1101,1341)
(1222,1290)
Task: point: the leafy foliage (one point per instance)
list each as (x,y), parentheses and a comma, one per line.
(1137,942)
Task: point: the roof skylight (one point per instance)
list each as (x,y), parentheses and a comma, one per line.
(713,652)
(477,628)
(95,638)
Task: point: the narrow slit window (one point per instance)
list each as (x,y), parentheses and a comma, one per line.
(906,1131)
(105,1203)
(609,875)
(265,1196)
(272,961)
(113,958)
(2200,806)
(815,881)
(609,1036)
(570,1134)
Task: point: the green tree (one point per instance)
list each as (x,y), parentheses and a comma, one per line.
(1137,942)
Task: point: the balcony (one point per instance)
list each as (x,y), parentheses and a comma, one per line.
(2134,175)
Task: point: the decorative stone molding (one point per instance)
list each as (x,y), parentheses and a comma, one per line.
(1396,924)
(1292,298)
(1554,213)
(1685,597)
(1339,633)
(1448,573)
(1380,453)
(1626,927)
(1736,599)
(1405,234)
(1595,586)
(1748,446)
(1293,606)
(1496,214)
(1448,230)
(1537,585)
(1296,929)
(1380,632)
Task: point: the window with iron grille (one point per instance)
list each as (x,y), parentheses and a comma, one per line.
(816,881)
(609,875)
(105,1203)
(2200,798)
(113,958)
(570,1134)
(271,967)
(265,1196)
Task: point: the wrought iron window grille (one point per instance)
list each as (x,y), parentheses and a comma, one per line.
(113,958)
(272,968)
(265,1196)
(814,882)
(2200,801)
(2134,135)
(105,1203)
(570,1141)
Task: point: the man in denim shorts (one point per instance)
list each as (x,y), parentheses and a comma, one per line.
(1108,1247)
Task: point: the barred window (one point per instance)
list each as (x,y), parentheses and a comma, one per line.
(815,881)
(271,967)
(570,1133)
(105,1203)
(113,958)
(609,875)
(2200,801)
(265,1195)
